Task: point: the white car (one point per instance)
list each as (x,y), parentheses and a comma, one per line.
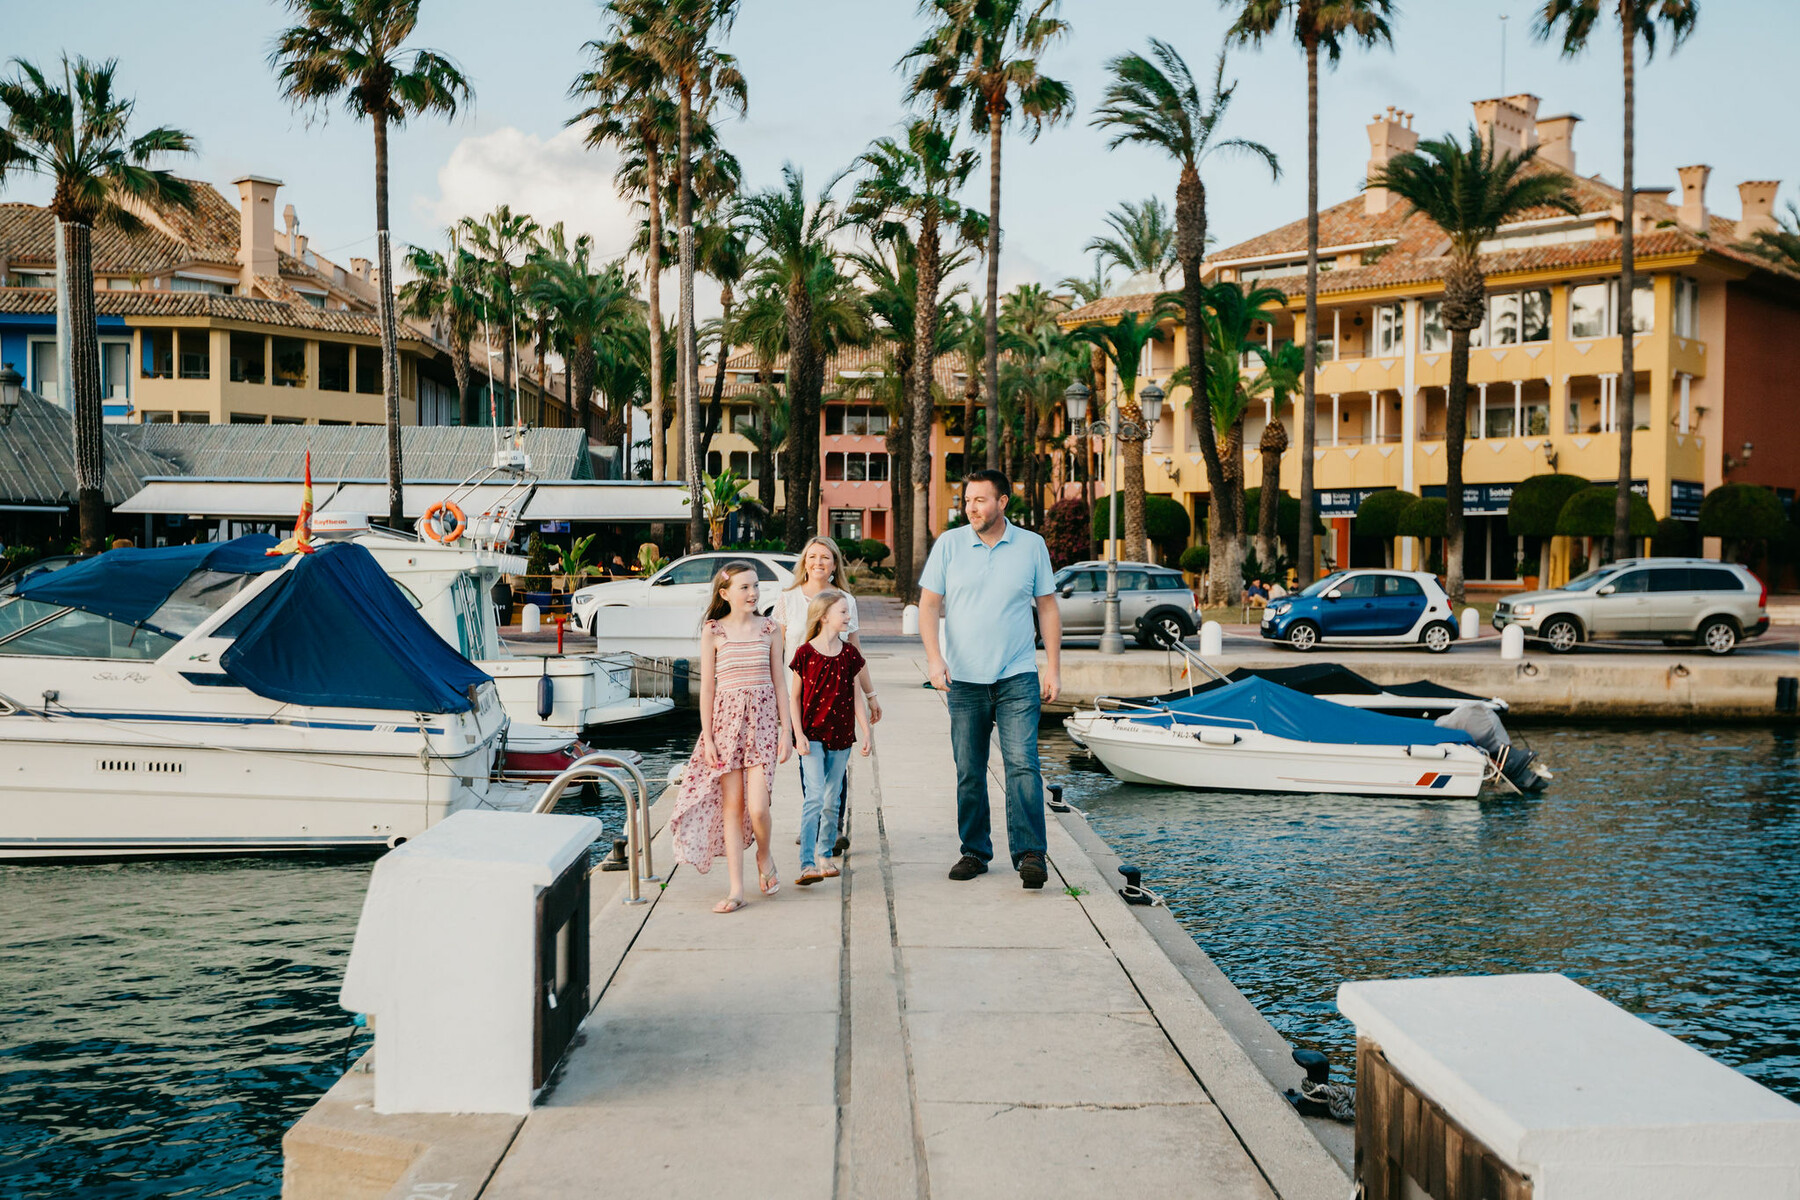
(684,582)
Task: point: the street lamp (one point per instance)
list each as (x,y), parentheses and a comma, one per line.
(10,383)
(1150,401)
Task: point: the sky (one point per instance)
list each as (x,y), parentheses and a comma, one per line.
(823,84)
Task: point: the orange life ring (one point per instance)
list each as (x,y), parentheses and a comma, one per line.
(428,523)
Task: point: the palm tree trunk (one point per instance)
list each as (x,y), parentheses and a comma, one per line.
(1456,432)
(690,350)
(714,410)
(1190,240)
(919,406)
(1131,451)
(581,387)
(1303,553)
(971,393)
(1625,418)
(390,363)
(465,393)
(543,380)
(803,418)
(653,290)
(900,455)
(80,373)
(1273,444)
(991,360)
(1034,495)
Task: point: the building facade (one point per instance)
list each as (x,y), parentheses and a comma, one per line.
(1713,322)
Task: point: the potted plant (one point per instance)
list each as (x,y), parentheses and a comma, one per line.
(722,494)
(573,565)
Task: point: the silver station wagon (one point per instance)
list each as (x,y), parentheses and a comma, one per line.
(1681,601)
(1155,605)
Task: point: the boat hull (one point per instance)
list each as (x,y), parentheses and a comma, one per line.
(1258,762)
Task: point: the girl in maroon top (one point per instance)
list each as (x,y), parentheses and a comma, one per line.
(825,686)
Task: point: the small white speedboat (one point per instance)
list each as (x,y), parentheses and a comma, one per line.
(1257,736)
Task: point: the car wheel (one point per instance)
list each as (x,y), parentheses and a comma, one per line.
(1303,636)
(1719,636)
(1160,631)
(1437,637)
(1562,633)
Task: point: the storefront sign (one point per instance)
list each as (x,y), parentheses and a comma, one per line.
(553,527)
(1684,499)
(1345,501)
(1479,499)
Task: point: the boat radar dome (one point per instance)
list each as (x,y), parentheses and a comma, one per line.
(339,524)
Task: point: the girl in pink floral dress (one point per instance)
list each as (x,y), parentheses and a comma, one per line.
(725,790)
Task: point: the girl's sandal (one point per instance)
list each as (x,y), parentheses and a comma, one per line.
(829,871)
(729,904)
(768,881)
(809,877)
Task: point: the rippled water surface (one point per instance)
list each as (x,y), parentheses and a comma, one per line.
(161,1024)
(1662,870)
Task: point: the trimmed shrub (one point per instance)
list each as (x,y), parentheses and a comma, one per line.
(1165,521)
(1195,560)
(1674,539)
(873,551)
(1379,515)
(538,556)
(1065,532)
(1741,512)
(1537,502)
(1589,513)
(1424,518)
(850,548)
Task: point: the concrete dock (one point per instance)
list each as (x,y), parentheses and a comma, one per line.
(890,1033)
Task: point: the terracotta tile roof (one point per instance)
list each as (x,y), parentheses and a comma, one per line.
(28,238)
(209,229)
(201,304)
(948,370)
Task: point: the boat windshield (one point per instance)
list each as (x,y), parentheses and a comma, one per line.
(1589,581)
(1326,584)
(198,597)
(30,629)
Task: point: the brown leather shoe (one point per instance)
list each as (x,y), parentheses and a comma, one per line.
(1032,872)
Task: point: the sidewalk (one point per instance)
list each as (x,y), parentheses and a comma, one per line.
(890,1033)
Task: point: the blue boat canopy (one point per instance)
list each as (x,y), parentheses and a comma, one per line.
(337,632)
(129,585)
(1283,712)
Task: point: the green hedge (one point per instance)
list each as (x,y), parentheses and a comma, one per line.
(1165,520)
(1423,518)
(1591,511)
(1195,560)
(1742,511)
(1537,502)
(874,550)
(1379,515)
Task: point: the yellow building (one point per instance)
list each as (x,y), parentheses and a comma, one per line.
(1713,321)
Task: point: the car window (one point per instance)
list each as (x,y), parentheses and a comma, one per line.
(693,570)
(1632,581)
(1324,585)
(788,563)
(1090,581)
(1168,583)
(1715,579)
(1592,579)
(764,571)
(1670,579)
(1360,587)
(1132,581)
(1400,585)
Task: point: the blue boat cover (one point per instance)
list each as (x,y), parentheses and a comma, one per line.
(130,584)
(337,632)
(1283,712)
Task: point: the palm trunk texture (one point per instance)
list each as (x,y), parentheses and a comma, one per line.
(81,380)
(1190,242)
(690,365)
(920,379)
(1303,553)
(1625,418)
(653,291)
(991,360)
(390,364)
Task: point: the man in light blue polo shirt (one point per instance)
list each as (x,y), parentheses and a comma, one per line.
(985,579)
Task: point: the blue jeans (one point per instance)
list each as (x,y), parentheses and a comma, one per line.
(1012,704)
(821,773)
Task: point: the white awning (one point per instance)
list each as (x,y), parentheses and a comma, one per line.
(558,500)
(608,500)
(217,498)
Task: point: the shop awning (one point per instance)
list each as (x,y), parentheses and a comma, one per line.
(556,500)
(613,500)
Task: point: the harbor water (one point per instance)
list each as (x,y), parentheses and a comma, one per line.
(1661,869)
(162,1024)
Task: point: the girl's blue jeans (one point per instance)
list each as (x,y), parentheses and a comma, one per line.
(821,779)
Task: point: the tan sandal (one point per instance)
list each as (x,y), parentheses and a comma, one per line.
(809,877)
(729,904)
(829,871)
(768,881)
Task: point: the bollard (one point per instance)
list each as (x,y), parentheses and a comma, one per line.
(909,621)
(1471,625)
(1512,643)
(1212,639)
(679,674)
(532,619)
(1787,694)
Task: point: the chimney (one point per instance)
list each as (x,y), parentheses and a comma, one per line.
(1508,123)
(359,267)
(1390,136)
(299,250)
(1693,197)
(1556,141)
(293,227)
(1758,199)
(256,227)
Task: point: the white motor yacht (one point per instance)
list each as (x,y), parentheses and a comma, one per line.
(215,699)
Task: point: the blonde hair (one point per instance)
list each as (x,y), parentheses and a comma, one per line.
(815,612)
(838,567)
(717,605)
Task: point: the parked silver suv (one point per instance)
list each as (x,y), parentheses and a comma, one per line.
(1682,601)
(1155,603)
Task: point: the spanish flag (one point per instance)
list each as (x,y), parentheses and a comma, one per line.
(301,542)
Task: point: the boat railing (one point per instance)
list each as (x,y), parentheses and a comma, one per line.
(1126,707)
(601,765)
(1193,659)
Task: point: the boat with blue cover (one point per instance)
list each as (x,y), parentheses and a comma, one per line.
(1254,735)
(215,699)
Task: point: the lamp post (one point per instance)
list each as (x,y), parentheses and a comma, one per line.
(10,383)
(1150,400)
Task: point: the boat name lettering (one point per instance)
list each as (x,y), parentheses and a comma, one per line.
(122,676)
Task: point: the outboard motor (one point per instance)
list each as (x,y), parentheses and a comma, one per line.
(1518,764)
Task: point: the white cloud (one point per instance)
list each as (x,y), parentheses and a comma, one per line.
(553,179)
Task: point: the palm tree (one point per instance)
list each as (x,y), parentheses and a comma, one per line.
(78,136)
(445,289)
(587,308)
(1780,245)
(355,49)
(1575,20)
(1142,241)
(1123,341)
(1319,25)
(502,240)
(629,107)
(723,254)
(910,187)
(621,375)
(1155,101)
(1029,331)
(1469,194)
(982,57)
(1281,379)
(791,239)
(1088,288)
(971,343)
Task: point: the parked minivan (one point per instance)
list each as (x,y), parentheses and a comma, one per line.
(1681,601)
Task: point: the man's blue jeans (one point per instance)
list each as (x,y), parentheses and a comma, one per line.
(821,773)
(976,709)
